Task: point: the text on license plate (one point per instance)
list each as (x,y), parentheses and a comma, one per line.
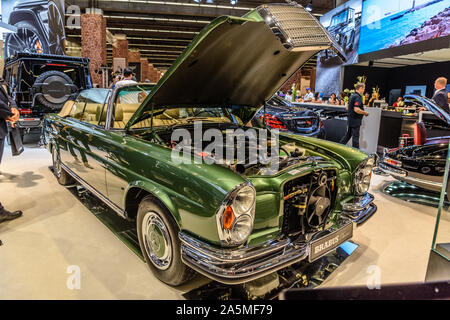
(330,242)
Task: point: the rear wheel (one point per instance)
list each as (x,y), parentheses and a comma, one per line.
(61,175)
(158,239)
(28,38)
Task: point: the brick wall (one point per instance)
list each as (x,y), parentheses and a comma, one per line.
(295,78)
(93,43)
(120,50)
(144,70)
(134,56)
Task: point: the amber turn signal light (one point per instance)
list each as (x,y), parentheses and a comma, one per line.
(228,218)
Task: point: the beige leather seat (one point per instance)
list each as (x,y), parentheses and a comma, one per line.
(119,123)
(90,112)
(66,109)
(128,110)
(167,118)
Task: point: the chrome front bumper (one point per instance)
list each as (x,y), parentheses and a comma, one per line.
(395,172)
(360,209)
(234,266)
(402,175)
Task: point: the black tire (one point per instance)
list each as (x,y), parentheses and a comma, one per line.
(171,270)
(56,33)
(58,91)
(61,175)
(25,39)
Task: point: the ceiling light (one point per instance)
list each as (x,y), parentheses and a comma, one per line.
(309,7)
(233,2)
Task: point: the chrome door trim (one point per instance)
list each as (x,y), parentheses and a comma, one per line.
(97,193)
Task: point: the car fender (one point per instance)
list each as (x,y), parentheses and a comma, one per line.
(156,191)
(27,15)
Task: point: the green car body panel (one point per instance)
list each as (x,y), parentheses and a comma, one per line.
(193,193)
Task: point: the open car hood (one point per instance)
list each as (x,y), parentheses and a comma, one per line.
(431,106)
(240,62)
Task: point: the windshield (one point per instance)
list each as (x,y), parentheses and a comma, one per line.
(181,116)
(339,18)
(133,94)
(278,102)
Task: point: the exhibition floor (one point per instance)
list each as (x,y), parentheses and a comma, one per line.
(57,232)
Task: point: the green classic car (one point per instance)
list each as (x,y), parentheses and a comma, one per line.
(231,221)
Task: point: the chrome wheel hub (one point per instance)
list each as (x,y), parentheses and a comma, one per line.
(156,240)
(56,163)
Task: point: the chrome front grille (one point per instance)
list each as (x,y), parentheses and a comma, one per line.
(297,28)
(300,26)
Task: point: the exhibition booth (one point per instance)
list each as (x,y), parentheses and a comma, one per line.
(150,152)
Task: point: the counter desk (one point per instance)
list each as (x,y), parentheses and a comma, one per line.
(381,129)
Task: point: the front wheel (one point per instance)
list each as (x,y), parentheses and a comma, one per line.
(61,175)
(160,246)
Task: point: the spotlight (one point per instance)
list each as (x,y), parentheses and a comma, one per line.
(233,2)
(198,1)
(209,1)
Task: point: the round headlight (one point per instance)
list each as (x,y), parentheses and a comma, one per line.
(363,175)
(242,229)
(236,215)
(244,200)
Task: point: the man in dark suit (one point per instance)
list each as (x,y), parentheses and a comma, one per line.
(8,113)
(440,95)
(355,114)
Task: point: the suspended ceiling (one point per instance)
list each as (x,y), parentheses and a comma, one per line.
(160,30)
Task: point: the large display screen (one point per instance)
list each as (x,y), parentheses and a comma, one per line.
(40,26)
(392,23)
(420,90)
(343,23)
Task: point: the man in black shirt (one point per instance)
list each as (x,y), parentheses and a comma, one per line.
(355,113)
(8,113)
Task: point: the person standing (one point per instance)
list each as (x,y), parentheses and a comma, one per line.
(440,95)
(127,78)
(309,96)
(8,113)
(288,96)
(355,113)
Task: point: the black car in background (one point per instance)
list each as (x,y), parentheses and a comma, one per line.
(280,114)
(42,83)
(421,164)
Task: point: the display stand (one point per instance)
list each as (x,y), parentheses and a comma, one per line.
(438,264)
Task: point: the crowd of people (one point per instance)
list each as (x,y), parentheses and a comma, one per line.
(317,97)
(123,78)
(126,76)
(441,97)
(359,99)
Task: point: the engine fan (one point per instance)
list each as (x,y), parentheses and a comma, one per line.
(319,204)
